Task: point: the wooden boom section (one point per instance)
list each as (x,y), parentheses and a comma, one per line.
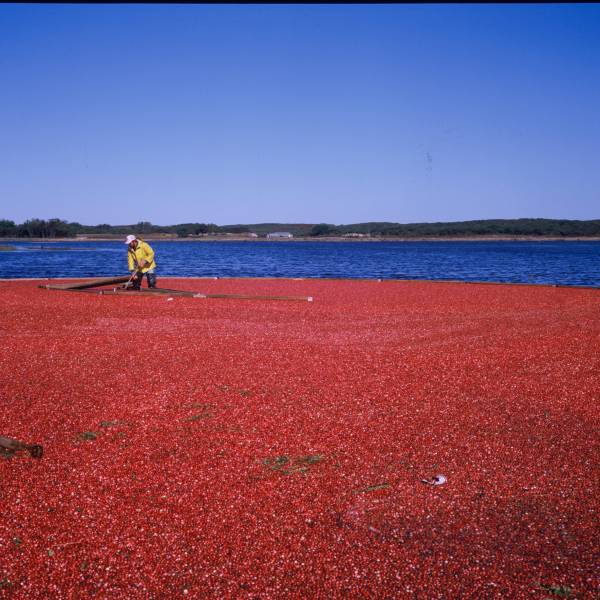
(82,285)
(189,294)
(88,286)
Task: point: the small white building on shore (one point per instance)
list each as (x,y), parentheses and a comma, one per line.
(279,235)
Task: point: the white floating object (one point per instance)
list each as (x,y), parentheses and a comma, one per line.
(437,480)
(309,298)
(169,299)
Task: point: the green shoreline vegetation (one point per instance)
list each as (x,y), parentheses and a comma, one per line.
(490,228)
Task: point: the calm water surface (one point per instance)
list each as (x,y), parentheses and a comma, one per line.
(566,263)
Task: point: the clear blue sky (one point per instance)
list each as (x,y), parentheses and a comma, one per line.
(299,113)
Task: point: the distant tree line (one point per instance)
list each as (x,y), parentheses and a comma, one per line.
(57,228)
(51,228)
(489,227)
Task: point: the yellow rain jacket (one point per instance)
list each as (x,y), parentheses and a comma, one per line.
(143,251)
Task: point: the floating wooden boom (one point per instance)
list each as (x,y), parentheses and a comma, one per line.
(88,286)
(189,294)
(82,285)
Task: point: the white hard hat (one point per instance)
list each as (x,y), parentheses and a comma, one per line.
(130,239)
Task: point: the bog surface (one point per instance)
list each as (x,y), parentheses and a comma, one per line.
(389,439)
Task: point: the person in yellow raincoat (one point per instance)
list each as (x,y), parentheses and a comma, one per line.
(140,258)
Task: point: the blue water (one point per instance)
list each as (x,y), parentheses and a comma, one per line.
(561,263)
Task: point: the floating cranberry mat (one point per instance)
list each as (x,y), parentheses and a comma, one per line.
(262,449)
